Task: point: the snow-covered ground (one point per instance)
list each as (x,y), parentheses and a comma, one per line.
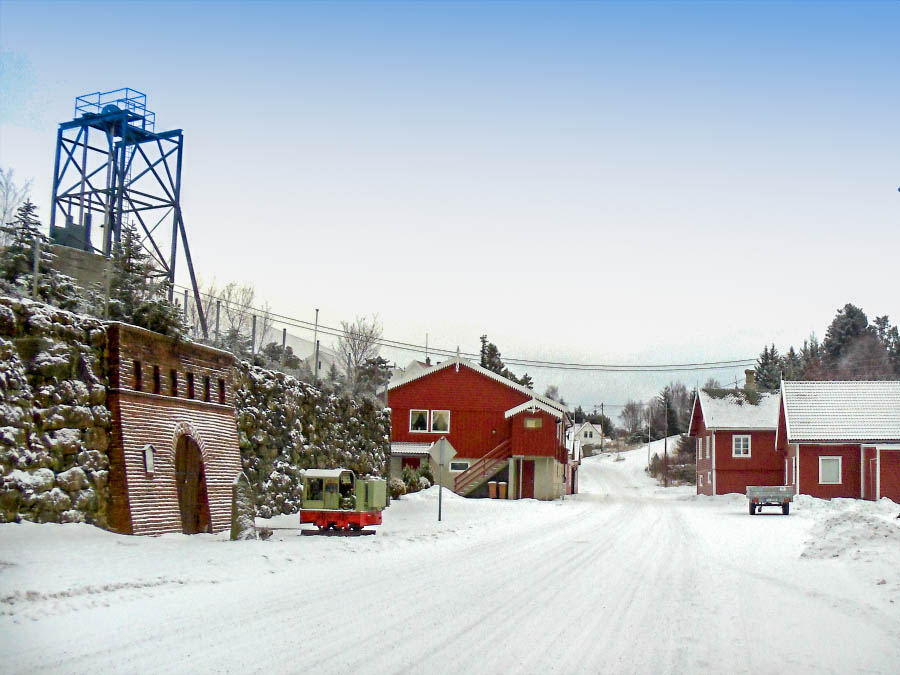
(624,577)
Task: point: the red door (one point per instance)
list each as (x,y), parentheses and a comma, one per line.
(528,479)
(411,462)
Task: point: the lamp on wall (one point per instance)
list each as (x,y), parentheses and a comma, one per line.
(148,458)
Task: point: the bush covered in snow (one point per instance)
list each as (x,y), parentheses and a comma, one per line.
(54,426)
(397,488)
(286,426)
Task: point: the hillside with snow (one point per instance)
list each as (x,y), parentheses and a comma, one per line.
(624,577)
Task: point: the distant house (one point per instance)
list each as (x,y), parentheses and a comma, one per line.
(841,439)
(735,441)
(589,437)
(501,430)
(305,350)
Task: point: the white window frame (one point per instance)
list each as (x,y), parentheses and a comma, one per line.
(431,422)
(468,464)
(734,449)
(839,459)
(700,476)
(427,420)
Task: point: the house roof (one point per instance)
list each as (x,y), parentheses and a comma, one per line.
(325,473)
(482,371)
(400,449)
(732,410)
(533,405)
(859,411)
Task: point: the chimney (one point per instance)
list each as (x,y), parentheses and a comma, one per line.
(750,374)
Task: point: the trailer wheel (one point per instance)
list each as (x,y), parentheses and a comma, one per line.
(786,508)
(752,508)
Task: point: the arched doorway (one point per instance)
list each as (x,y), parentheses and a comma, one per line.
(190,483)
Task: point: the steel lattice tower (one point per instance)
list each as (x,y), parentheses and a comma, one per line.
(111,162)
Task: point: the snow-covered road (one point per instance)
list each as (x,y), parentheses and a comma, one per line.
(625,577)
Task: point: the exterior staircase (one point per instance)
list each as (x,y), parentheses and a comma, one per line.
(483,469)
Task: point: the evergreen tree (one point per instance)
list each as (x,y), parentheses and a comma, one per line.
(137,292)
(17,264)
(792,365)
(849,323)
(490,359)
(768,369)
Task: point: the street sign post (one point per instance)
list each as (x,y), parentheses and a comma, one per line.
(442,452)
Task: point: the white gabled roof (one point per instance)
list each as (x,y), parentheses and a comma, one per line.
(325,473)
(457,360)
(533,405)
(858,411)
(734,411)
(401,448)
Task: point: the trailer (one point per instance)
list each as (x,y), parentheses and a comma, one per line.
(770,495)
(337,502)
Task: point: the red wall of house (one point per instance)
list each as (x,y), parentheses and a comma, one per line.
(850,471)
(890,474)
(476,403)
(542,442)
(704,466)
(764,466)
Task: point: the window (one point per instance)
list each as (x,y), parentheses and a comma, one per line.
(138,376)
(708,446)
(459,466)
(709,477)
(190,385)
(829,470)
(314,490)
(700,476)
(533,422)
(740,446)
(173,382)
(157,381)
(440,420)
(206,388)
(221,391)
(588,434)
(418,420)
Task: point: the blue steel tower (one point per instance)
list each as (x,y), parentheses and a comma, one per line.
(112,164)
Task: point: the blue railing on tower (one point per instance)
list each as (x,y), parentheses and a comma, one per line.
(128,99)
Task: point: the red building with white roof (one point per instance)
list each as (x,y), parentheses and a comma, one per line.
(841,439)
(501,430)
(735,435)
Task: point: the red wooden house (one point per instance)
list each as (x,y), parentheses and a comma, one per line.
(841,439)
(501,430)
(735,441)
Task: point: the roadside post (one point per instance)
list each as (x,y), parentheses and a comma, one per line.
(442,452)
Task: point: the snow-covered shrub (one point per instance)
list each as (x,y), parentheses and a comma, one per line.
(424,483)
(426,472)
(397,487)
(410,478)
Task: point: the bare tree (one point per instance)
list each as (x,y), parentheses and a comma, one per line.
(633,415)
(359,343)
(237,305)
(209,293)
(11,197)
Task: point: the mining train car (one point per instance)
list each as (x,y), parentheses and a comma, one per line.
(336,499)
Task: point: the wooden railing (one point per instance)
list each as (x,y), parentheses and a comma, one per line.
(482,469)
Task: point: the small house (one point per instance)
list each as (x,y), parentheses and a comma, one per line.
(501,430)
(735,440)
(841,439)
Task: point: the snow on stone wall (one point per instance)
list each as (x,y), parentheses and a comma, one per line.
(54,426)
(285,426)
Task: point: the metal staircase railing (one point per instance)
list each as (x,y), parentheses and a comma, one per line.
(482,469)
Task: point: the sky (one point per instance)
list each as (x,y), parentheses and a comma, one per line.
(589,182)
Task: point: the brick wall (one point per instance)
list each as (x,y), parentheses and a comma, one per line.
(147,411)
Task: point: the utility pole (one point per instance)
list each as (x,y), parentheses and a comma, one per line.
(601,427)
(648,437)
(283,346)
(316,348)
(252,334)
(666,445)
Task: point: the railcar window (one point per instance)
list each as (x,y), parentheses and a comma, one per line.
(314,489)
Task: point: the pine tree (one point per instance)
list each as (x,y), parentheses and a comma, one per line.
(792,365)
(768,369)
(849,323)
(134,295)
(17,264)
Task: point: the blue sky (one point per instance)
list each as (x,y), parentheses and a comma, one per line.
(550,174)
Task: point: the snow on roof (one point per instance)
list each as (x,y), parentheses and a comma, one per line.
(533,405)
(842,411)
(401,448)
(325,473)
(733,411)
(458,360)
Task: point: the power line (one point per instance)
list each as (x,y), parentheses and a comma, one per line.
(514,361)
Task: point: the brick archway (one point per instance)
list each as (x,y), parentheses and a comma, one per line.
(189,430)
